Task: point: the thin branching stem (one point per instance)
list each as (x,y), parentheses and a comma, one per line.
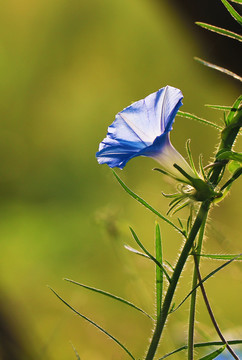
(210,312)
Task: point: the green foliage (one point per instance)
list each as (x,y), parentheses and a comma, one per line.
(232,11)
(159,271)
(214,354)
(230,155)
(219,107)
(143,202)
(233,110)
(96,325)
(105,293)
(76,353)
(194,117)
(222,256)
(234,177)
(218,68)
(201,345)
(220,31)
(160,265)
(233,166)
(212,273)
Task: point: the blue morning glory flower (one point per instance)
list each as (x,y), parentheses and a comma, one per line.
(142,129)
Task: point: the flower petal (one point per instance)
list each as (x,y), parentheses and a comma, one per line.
(141,128)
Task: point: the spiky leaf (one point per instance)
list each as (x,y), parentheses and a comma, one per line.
(232,11)
(96,325)
(194,117)
(143,202)
(218,68)
(220,31)
(214,354)
(105,293)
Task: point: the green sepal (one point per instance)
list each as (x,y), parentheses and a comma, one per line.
(189,153)
(162,171)
(203,190)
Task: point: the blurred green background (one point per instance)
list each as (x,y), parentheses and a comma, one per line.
(67,67)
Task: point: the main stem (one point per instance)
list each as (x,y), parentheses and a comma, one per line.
(194,294)
(202,214)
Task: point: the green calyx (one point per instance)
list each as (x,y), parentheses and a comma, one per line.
(203,190)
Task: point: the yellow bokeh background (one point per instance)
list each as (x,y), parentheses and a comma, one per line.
(67,67)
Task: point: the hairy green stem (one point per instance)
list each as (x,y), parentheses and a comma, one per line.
(194,294)
(202,214)
(228,136)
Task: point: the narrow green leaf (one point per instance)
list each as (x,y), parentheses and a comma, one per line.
(180,222)
(136,251)
(233,166)
(201,345)
(219,107)
(173,204)
(76,353)
(194,117)
(230,155)
(220,31)
(149,254)
(159,271)
(169,264)
(221,256)
(143,202)
(206,278)
(182,206)
(201,167)
(96,325)
(237,1)
(232,11)
(233,110)
(214,354)
(102,292)
(189,153)
(218,68)
(235,176)
(170,175)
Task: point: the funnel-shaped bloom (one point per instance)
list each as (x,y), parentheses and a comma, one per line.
(143,129)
